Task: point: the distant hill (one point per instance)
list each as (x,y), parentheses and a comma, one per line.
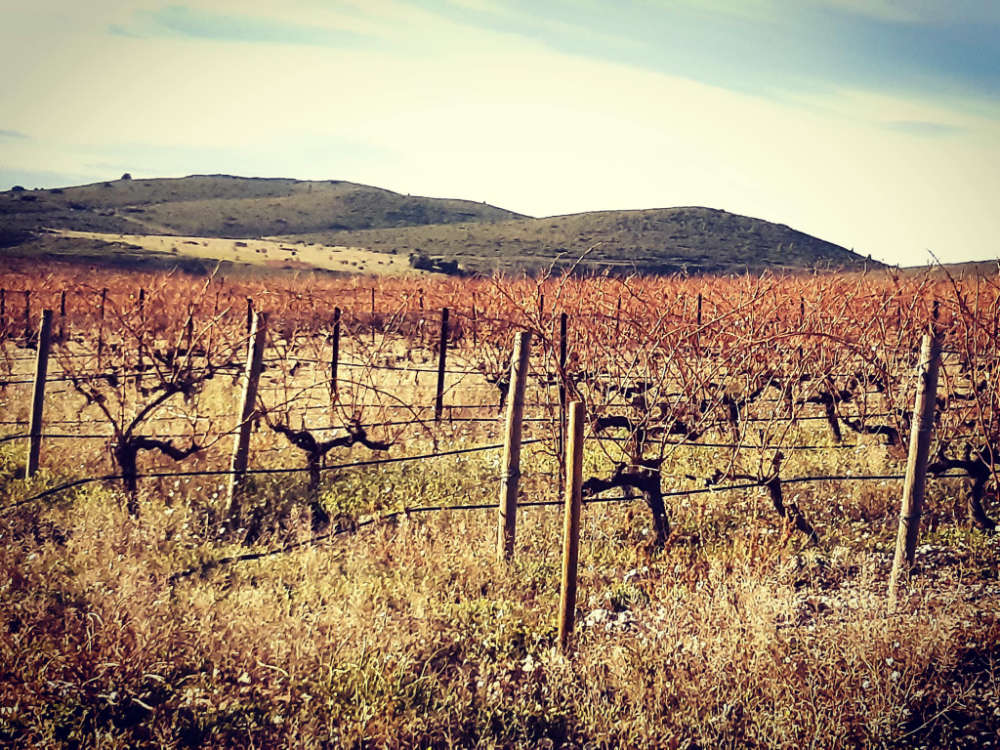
(224,206)
(479,237)
(658,241)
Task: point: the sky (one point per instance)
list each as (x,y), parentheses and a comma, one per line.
(874,124)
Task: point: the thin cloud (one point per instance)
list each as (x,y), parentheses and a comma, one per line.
(924,129)
(13,135)
(184,21)
(771,50)
(119,30)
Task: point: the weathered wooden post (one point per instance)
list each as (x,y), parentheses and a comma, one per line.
(916,461)
(422,325)
(571,528)
(100,328)
(697,330)
(562,391)
(27,314)
(335,355)
(62,315)
(373,316)
(142,334)
(507,526)
(248,410)
(475,322)
(442,356)
(38,393)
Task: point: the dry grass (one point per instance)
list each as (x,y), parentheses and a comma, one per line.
(268,253)
(408,634)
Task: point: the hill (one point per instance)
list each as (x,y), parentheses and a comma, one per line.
(477,236)
(234,207)
(656,241)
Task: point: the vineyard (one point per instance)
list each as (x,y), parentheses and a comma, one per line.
(244,512)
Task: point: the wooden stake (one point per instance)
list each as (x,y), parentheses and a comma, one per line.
(100,328)
(335,356)
(142,332)
(38,393)
(62,315)
(475,322)
(27,314)
(562,390)
(507,527)
(571,528)
(249,314)
(248,410)
(916,462)
(442,355)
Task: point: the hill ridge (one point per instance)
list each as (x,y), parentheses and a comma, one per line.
(477,236)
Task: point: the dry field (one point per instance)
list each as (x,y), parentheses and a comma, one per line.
(360,611)
(269,253)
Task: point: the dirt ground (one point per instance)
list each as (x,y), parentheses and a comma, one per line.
(263,252)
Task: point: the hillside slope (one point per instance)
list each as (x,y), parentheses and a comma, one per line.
(663,240)
(479,237)
(224,206)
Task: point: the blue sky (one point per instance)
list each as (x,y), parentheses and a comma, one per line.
(871,123)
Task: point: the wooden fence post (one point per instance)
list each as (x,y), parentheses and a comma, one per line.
(249,314)
(697,330)
(38,393)
(571,528)
(422,325)
(512,447)
(475,322)
(27,314)
(248,409)
(62,315)
(442,357)
(335,355)
(562,391)
(916,461)
(142,330)
(100,328)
